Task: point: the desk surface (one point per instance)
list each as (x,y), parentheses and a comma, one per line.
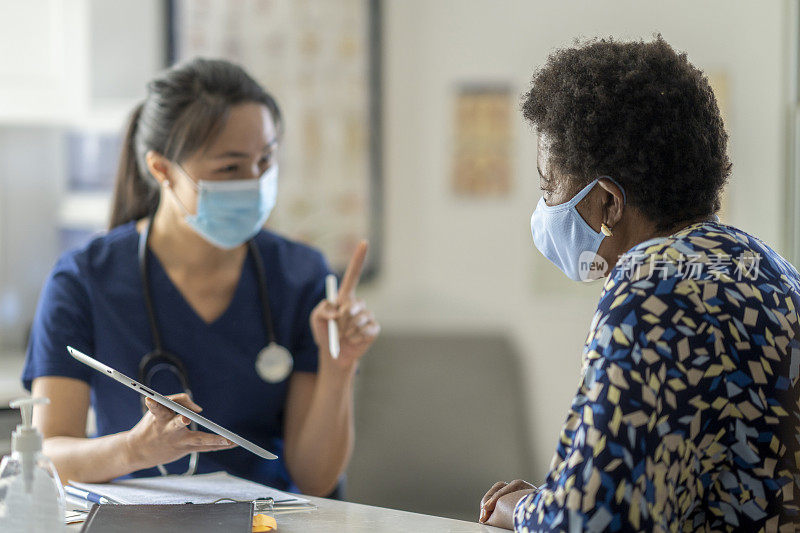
(343,517)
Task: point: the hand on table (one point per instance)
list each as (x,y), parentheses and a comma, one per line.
(358,328)
(497,505)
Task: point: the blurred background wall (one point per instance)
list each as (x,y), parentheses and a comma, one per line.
(477,325)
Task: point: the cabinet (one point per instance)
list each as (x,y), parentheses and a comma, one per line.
(79,66)
(77,63)
(69,69)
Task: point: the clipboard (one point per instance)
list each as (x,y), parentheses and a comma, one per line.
(197,518)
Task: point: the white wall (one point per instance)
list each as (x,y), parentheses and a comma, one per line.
(463,265)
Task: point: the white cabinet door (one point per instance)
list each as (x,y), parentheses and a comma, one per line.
(43,60)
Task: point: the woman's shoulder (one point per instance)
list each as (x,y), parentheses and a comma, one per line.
(704,266)
(290,255)
(701,238)
(703,252)
(103,251)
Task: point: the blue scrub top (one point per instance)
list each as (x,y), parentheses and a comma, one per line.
(93,300)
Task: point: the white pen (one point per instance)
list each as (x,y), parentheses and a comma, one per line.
(331,294)
(87,495)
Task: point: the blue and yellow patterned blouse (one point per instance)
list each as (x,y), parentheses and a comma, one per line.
(687,415)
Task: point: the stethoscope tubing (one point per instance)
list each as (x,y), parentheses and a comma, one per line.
(172,361)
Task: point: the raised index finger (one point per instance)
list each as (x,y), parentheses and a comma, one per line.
(353,272)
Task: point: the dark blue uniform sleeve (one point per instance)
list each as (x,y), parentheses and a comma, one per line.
(63,317)
(306,353)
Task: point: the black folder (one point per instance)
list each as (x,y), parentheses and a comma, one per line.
(198,518)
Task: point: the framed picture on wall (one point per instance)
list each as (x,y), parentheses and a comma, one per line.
(483,140)
(321,61)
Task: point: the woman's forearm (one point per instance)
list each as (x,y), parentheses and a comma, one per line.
(91,460)
(318,456)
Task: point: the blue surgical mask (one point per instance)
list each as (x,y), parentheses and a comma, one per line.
(231,212)
(562,236)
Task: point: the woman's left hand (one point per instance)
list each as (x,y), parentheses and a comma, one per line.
(497,505)
(357,326)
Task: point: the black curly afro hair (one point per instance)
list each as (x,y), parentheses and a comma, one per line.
(640,113)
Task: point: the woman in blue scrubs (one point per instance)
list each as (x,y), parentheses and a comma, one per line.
(198,176)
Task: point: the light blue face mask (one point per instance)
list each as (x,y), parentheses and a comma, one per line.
(562,236)
(231,212)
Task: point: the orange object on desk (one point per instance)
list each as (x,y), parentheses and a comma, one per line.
(262,522)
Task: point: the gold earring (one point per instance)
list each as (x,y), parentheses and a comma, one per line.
(605,230)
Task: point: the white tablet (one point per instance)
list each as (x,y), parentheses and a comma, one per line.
(166,402)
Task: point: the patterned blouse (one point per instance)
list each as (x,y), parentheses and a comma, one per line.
(688,413)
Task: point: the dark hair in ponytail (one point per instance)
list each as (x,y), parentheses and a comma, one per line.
(134,197)
(184,110)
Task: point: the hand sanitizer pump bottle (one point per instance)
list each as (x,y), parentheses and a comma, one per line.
(31,494)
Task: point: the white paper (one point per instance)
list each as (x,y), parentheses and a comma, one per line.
(75,517)
(202,488)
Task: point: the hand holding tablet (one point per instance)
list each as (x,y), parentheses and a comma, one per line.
(171,404)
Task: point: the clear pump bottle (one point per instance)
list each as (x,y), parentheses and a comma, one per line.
(31,494)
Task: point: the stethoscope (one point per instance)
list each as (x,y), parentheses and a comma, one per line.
(273,364)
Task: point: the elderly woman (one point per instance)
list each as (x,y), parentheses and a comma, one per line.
(687,416)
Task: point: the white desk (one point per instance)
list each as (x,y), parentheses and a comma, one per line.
(342,517)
